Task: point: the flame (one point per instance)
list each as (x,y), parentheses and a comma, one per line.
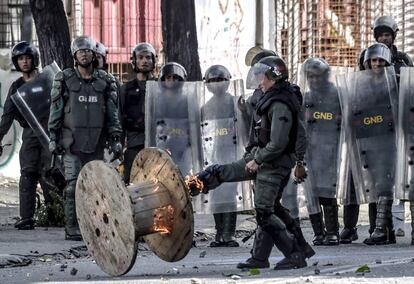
(194,183)
(164,220)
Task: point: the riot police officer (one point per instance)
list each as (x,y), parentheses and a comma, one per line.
(132,103)
(385,31)
(323,134)
(221,106)
(382,232)
(263,243)
(83,117)
(101,53)
(271,160)
(34,159)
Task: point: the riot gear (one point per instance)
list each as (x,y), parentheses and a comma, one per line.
(175,69)
(377,50)
(82,42)
(101,50)
(384,23)
(142,47)
(25,48)
(256,53)
(316,66)
(271,66)
(83,117)
(217,78)
(216,72)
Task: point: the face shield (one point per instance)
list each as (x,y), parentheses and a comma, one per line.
(256,75)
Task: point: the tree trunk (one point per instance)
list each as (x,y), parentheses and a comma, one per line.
(52,31)
(180,35)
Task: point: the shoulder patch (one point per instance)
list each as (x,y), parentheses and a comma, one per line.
(69,72)
(59,76)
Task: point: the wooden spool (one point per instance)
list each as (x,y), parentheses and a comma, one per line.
(155,206)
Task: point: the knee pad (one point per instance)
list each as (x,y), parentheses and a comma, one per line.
(263,217)
(70,188)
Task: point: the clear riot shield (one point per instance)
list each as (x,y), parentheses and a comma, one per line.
(223,138)
(323,124)
(33,101)
(405,143)
(172,122)
(369,101)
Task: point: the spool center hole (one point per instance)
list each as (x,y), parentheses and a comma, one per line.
(105,218)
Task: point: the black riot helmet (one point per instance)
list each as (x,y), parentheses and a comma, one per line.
(385,23)
(103,51)
(25,48)
(273,67)
(217,72)
(217,78)
(377,50)
(361,60)
(173,68)
(256,53)
(82,42)
(277,70)
(142,47)
(316,65)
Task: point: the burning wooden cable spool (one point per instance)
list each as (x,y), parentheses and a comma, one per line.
(156,206)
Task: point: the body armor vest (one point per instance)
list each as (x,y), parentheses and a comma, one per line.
(84,116)
(287,97)
(133,115)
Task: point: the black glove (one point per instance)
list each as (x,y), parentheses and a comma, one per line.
(208,178)
(115,148)
(300,173)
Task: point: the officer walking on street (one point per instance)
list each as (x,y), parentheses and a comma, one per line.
(270,163)
(83,117)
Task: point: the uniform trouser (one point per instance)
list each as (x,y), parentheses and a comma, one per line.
(129,156)
(34,162)
(268,181)
(351,210)
(73,163)
(398,214)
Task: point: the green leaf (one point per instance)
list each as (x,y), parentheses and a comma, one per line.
(254,271)
(363,269)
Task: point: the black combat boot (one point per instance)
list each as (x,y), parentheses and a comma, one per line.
(318,228)
(296,230)
(412,221)
(72,231)
(293,227)
(262,247)
(229,229)
(25,224)
(372,214)
(384,233)
(218,220)
(304,247)
(27,200)
(330,213)
(294,257)
(350,232)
